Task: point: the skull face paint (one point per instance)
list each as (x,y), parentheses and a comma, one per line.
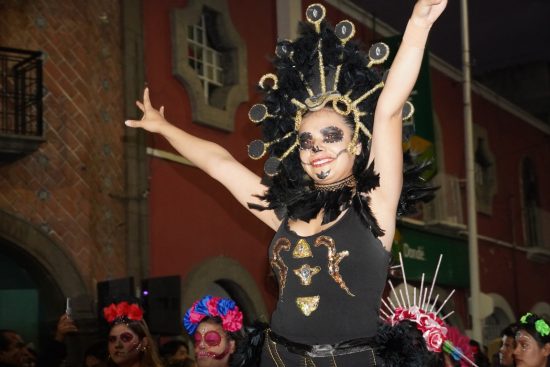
(212,345)
(329,134)
(324,140)
(323,174)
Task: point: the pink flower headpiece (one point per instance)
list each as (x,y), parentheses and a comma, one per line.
(122,311)
(420,311)
(432,327)
(208,306)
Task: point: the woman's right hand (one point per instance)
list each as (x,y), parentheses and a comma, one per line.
(153,120)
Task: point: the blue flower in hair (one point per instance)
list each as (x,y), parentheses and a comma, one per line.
(209,306)
(224,305)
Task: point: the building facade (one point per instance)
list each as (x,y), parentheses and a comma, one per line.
(93,201)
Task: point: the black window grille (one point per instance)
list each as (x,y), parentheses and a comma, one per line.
(20,92)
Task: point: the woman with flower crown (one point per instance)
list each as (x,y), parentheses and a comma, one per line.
(129,342)
(334,183)
(532,342)
(216,326)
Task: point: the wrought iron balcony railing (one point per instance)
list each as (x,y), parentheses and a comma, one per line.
(20,100)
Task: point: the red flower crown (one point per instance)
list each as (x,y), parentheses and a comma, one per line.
(121,311)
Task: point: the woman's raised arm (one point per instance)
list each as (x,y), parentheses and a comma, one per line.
(210,157)
(386,149)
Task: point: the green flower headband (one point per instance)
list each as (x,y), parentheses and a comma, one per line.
(540,325)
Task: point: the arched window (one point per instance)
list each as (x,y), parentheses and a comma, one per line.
(485,171)
(203,57)
(530,195)
(209,58)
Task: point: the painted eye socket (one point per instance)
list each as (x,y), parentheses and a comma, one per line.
(332,134)
(125,337)
(332,138)
(212,338)
(306,141)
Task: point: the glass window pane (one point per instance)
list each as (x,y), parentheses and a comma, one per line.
(210,72)
(200,36)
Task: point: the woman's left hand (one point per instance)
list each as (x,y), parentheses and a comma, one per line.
(426,12)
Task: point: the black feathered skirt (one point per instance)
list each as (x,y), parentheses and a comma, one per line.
(393,346)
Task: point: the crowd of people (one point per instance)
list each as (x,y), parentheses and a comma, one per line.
(220,339)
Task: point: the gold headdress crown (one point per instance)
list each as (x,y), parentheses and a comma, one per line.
(321,83)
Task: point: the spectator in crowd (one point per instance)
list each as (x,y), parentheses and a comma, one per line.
(55,351)
(96,354)
(174,353)
(215,324)
(508,344)
(129,343)
(532,342)
(14,351)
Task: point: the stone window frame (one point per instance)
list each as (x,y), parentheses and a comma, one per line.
(487,188)
(220,109)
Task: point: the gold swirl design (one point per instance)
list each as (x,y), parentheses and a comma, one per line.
(278,263)
(334,258)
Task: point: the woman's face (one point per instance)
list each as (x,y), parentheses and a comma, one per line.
(212,345)
(528,353)
(124,345)
(505,353)
(324,138)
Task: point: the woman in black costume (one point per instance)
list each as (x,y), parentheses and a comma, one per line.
(332,128)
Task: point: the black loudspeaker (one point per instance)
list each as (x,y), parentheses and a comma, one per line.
(160,298)
(114,291)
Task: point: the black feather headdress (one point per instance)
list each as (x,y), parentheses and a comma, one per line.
(321,68)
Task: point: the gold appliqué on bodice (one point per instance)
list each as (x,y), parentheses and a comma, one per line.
(277,261)
(307,304)
(302,250)
(306,272)
(334,258)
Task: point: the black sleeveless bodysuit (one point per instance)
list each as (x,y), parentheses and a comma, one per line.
(330,283)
